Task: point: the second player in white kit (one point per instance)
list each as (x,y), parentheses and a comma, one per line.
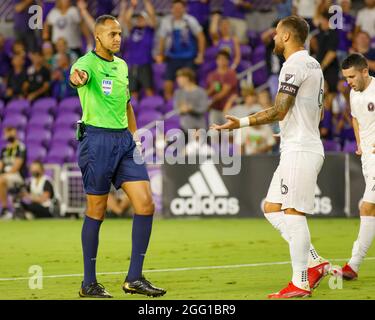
(298,108)
(362,103)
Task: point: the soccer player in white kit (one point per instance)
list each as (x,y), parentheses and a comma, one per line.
(298,107)
(362,102)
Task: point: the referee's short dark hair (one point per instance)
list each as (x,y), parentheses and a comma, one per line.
(356,60)
(298,26)
(103,18)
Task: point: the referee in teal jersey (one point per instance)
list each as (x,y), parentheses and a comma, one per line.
(107,152)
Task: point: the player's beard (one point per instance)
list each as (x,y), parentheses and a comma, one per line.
(278,50)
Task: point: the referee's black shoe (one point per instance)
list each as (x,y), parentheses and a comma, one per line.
(142,286)
(93,290)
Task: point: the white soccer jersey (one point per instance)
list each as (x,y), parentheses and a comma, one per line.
(302,76)
(362,106)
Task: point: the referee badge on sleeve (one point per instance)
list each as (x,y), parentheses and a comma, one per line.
(107,86)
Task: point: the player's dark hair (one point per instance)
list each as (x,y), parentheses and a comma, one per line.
(298,26)
(223,53)
(356,60)
(103,18)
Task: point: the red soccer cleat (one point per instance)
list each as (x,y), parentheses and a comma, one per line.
(348,273)
(317,273)
(291,291)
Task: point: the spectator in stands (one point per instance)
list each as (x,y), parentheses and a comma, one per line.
(283,8)
(261,15)
(17,78)
(361,44)
(62,48)
(235,12)
(326,124)
(343,127)
(60,78)
(248,106)
(341,99)
(325,44)
(21,24)
(366,19)
(222,84)
(321,8)
(190,101)
(274,62)
(64,21)
(255,140)
(38,78)
(48,53)
(305,9)
(38,199)
(12,168)
(138,47)
(223,39)
(5,64)
(346,33)
(200,10)
(181,43)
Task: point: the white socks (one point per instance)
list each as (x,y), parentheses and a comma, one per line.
(365,237)
(299,245)
(277,220)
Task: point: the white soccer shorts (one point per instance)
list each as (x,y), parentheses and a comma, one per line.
(368,169)
(294,181)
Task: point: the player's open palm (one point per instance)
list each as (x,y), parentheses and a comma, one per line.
(232,123)
(78,77)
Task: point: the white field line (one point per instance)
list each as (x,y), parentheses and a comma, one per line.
(233,266)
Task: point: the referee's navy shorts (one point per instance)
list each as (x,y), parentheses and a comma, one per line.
(106,156)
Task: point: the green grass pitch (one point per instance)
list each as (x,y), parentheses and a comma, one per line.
(238,244)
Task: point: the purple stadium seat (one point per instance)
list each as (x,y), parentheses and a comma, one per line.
(16,120)
(42,120)
(254,38)
(60,153)
(66,120)
(330,145)
(69,105)
(21,135)
(158,70)
(168,106)
(35,151)
(172,123)
(151,103)
(210,53)
(243,65)
(245,52)
(64,135)
(148,116)
(44,105)
(350,146)
(18,106)
(38,136)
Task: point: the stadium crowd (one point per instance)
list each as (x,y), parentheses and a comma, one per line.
(190,57)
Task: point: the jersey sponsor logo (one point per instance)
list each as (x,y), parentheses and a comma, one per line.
(288,89)
(206,194)
(107,86)
(371,107)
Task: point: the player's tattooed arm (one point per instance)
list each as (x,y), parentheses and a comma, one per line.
(282,105)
